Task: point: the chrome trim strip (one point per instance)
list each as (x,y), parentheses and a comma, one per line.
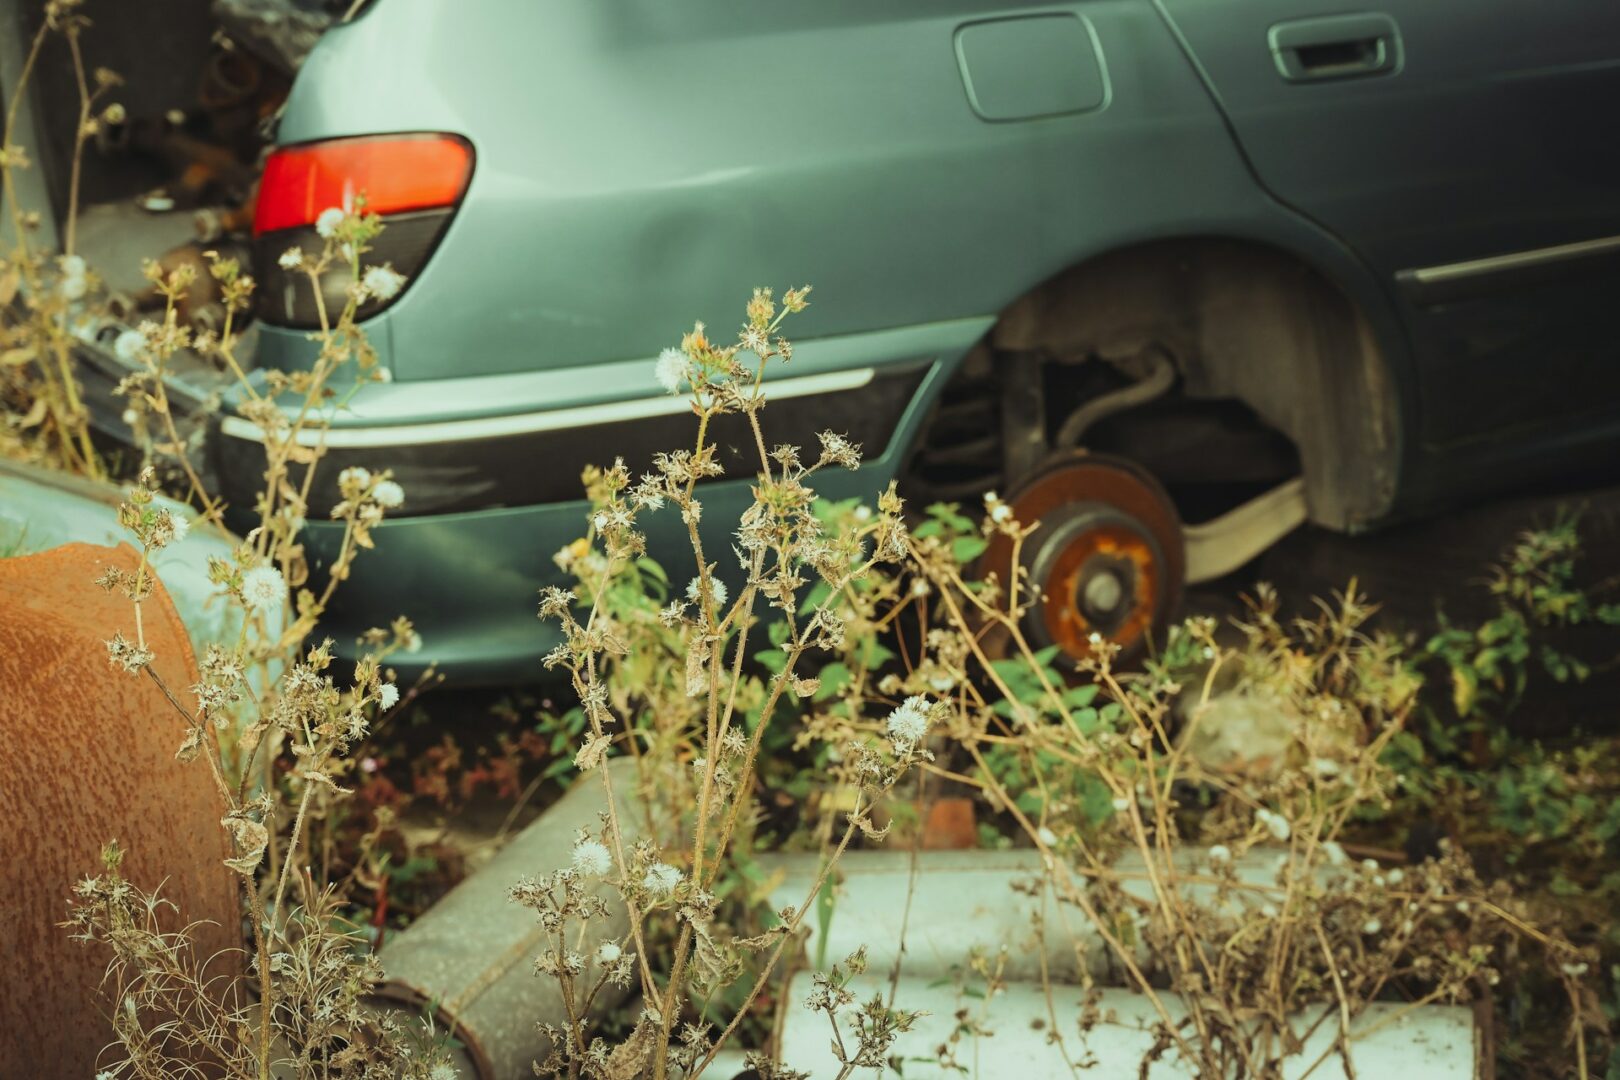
(494,427)
(1518,260)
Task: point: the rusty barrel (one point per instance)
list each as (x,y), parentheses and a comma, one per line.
(87,755)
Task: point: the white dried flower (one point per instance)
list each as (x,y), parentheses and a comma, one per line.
(661,879)
(264,588)
(909,723)
(1121,805)
(1334,852)
(1371,926)
(178,525)
(608,952)
(1268,911)
(74,284)
(129,345)
(327,224)
(1275,823)
(998,510)
(1574,971)
(1220,853)
(671,370)
(291,259)
(592,857)
(388,494)
(382,282)
(694,591)
(387,695)
(1046,836)
(358,475)
(443,1071)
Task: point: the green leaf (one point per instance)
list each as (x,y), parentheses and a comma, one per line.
(1078,697)
(826,901)
(834,677)
(873,654)
(967,548)
(818,594)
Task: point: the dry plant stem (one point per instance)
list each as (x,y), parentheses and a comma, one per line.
(949,589)
(795,649)
(61,346)
(1166,892)
(788,935)
(706,603)
(255,900)
(18,92)
(212,509)
(70,233)
(649,985)
(711,755)
(1344,1002)
(292,846)
(1080,899)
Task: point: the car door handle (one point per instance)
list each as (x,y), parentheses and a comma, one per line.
(1335,47)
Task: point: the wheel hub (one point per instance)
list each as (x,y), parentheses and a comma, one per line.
(1106,560)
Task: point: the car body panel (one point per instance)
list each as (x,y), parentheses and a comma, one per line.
(636,172)
(468,580)
(632,178)
(1483,138)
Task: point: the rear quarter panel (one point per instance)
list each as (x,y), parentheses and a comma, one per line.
(641,166)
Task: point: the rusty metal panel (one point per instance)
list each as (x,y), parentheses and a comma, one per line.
(86,756)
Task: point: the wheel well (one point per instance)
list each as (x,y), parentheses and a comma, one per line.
(1238,320)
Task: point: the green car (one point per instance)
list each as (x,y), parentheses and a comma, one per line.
(1174,276)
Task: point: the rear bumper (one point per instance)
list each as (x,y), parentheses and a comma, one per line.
(469,581)
(492,482)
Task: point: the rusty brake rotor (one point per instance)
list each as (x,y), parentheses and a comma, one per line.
(1107,557)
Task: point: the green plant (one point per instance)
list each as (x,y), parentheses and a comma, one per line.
(267,719)
(667,681)
(45,297)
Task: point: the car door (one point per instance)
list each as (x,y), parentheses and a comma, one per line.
(1469,151)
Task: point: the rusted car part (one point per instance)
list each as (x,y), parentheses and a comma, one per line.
(1107,556)
(1241,322)
(470,959)
(87,754)
(1155,381)
(44,508)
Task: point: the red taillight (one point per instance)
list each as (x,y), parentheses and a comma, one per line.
(395,174)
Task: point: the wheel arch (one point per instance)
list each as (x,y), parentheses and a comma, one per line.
(1248,319)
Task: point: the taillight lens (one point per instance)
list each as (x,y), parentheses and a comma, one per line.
(415,182)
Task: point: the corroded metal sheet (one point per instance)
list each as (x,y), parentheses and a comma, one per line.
(86,756)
